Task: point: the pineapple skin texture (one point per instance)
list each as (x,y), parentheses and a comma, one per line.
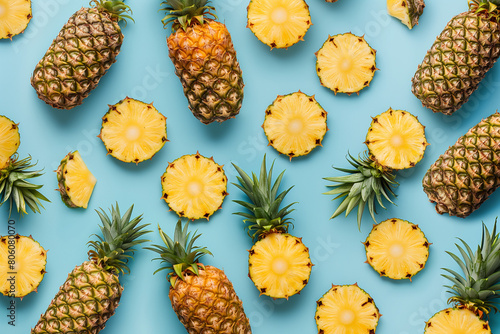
(205,62)
(208,303)
(84,303)
(468,172)
(457,62)
(81,54)
(61,182)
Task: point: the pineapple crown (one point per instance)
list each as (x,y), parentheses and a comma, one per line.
(15,188)
(183,13)
(119,235)
(366,183)
(488,8)
(180,254)
(118,9)
(265,215)
(479,287)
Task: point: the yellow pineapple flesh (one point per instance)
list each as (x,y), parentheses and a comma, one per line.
(14,17)
(456,321)
(9,140)
(279,23)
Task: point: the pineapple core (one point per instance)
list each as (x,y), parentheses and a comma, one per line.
(279,15)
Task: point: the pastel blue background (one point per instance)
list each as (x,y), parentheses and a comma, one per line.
(145,72)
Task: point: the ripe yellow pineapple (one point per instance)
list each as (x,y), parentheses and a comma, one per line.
(9,140)
(205,60)
(279,263)
(346,309)
(397,249)
(279,23)
(194,186)
(407,11)
(295,124)
(133,131)
(202,296)
(22,265)
(75,181)
(14,17)
(345,63)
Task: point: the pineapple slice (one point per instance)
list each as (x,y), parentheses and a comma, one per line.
(76,182)
(397,249)
(133,131)
(279,265)
(396,139)
(456,320)
(9,140)
(295,124)
(14,17)
(407,11)
(279,23)
(194,186)
(23,274)
(345,63)
(346,309)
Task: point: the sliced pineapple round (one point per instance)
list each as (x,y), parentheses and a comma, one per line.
(279,23)
(397,249)
(407,11)
(456,320)
(345,63)
(22,265)
(194,186)
(279,265)
(133,131)
(14,17)
(295,124)
(9,140)
(346,309)
(76,182)
(396,139)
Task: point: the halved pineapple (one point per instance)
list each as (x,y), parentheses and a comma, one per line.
(194,186)
(407,11)
(22,265)
(295,124)
(456,320)
(9,140)
(279,23)
(279,265)
(76,182)
(133,131)
(14,17)
(396,139)
(397,249)
(346,63)
(346,309)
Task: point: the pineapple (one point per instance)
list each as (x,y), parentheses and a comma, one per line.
(459,58)
(92,291)
(295,124)
(397,249)
(468,172)
(194,186)
(202,296)
(279,23)
(331,0)
(346,309)
(14,17)
(22,265)
(396,139)
(81,54)
(345,63)
(279,263)
(9,140)
(75,181)
(475,294)
(407,11)
(205,60)
(133,131)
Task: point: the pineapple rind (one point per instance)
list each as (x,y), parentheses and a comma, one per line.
(15,16)
(9,140)
(456,320)
(407,11)
(29,265)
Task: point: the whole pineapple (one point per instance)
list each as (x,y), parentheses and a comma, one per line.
(205,60)
(459,58)
(92,291)
(468,172)
(202,296)
(81,54)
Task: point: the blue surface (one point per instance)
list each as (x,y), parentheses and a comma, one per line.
(145,72)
